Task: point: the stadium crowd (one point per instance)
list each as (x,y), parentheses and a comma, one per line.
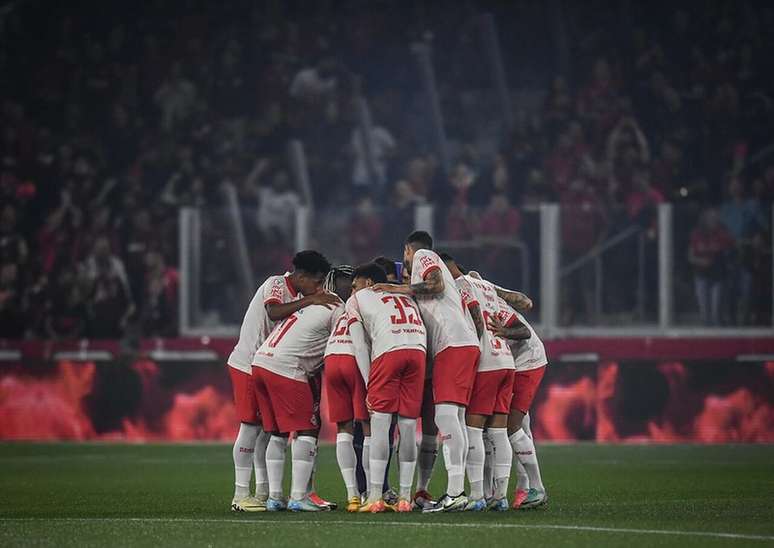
(114,118)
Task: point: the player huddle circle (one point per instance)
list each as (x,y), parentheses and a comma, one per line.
(392,342)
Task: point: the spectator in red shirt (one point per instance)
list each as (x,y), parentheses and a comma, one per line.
(709,246)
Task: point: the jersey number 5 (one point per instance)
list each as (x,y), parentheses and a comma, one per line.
(401,304)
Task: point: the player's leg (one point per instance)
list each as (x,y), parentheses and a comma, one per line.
(366,428)
(497,432)
(358,442)
(533,471)
(315,384)
(474,465)
(304,455)
(277,444)
(409,409)
(453,377)
(275,470)
(428,448)
(340,411)
(488,465)
(382,399)
(481,407)
(524,389)
(380,428)
(259,463)
(502,453)
(244,446)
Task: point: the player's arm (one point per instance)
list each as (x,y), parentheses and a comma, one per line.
(515,299)
(433,284)
(515,330)
(280,311)
(478,318)
(362,349)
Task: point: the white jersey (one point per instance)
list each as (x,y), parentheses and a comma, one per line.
(495,353)
(296,345)
(340,341)
(448,325)
(256,324)
(391,320)
(530,353)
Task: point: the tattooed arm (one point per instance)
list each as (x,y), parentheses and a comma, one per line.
(515,330)
(478,319)
(515,299)
(433,284)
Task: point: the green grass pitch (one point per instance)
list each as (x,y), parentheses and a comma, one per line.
(175,495)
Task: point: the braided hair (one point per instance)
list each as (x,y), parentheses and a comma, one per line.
(343,270)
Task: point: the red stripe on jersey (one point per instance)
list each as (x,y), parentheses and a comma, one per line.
(429,270)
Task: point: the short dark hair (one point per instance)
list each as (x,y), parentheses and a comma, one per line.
(370,271)
(311,262)
(388,265)
(420,239)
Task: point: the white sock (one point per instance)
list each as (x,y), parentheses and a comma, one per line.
(453,439)
(275,464)
(407,454)
(503,459)
(489,464)
(522,479)
(244,447)
(380,450)
(304,456)
(259,463)
(345,456)
(428,451)
(366,461)
(524,450)
(475,462)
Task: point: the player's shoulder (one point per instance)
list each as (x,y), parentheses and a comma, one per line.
(429,253)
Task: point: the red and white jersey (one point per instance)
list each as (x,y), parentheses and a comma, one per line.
(340,341)
(530,353)
(296,345)
(391,320)
(447,322)
(256,324)
(495,352)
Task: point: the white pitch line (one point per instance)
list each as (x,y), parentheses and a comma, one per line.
(356,522)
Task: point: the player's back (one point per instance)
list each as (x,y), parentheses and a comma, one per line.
(296,345)
(256,324)
(391,320)
(527,354)
(495,352)
(448,325)
(340,340)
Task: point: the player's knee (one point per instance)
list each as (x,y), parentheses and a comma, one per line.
(476,421)
(345,427)
(514,421)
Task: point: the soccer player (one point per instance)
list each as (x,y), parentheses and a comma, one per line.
(277,298)
(490,402)
(395,379)
(530,361)
(346,390)
(282,368)
(452,338)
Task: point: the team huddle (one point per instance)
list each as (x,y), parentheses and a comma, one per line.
(390,342)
